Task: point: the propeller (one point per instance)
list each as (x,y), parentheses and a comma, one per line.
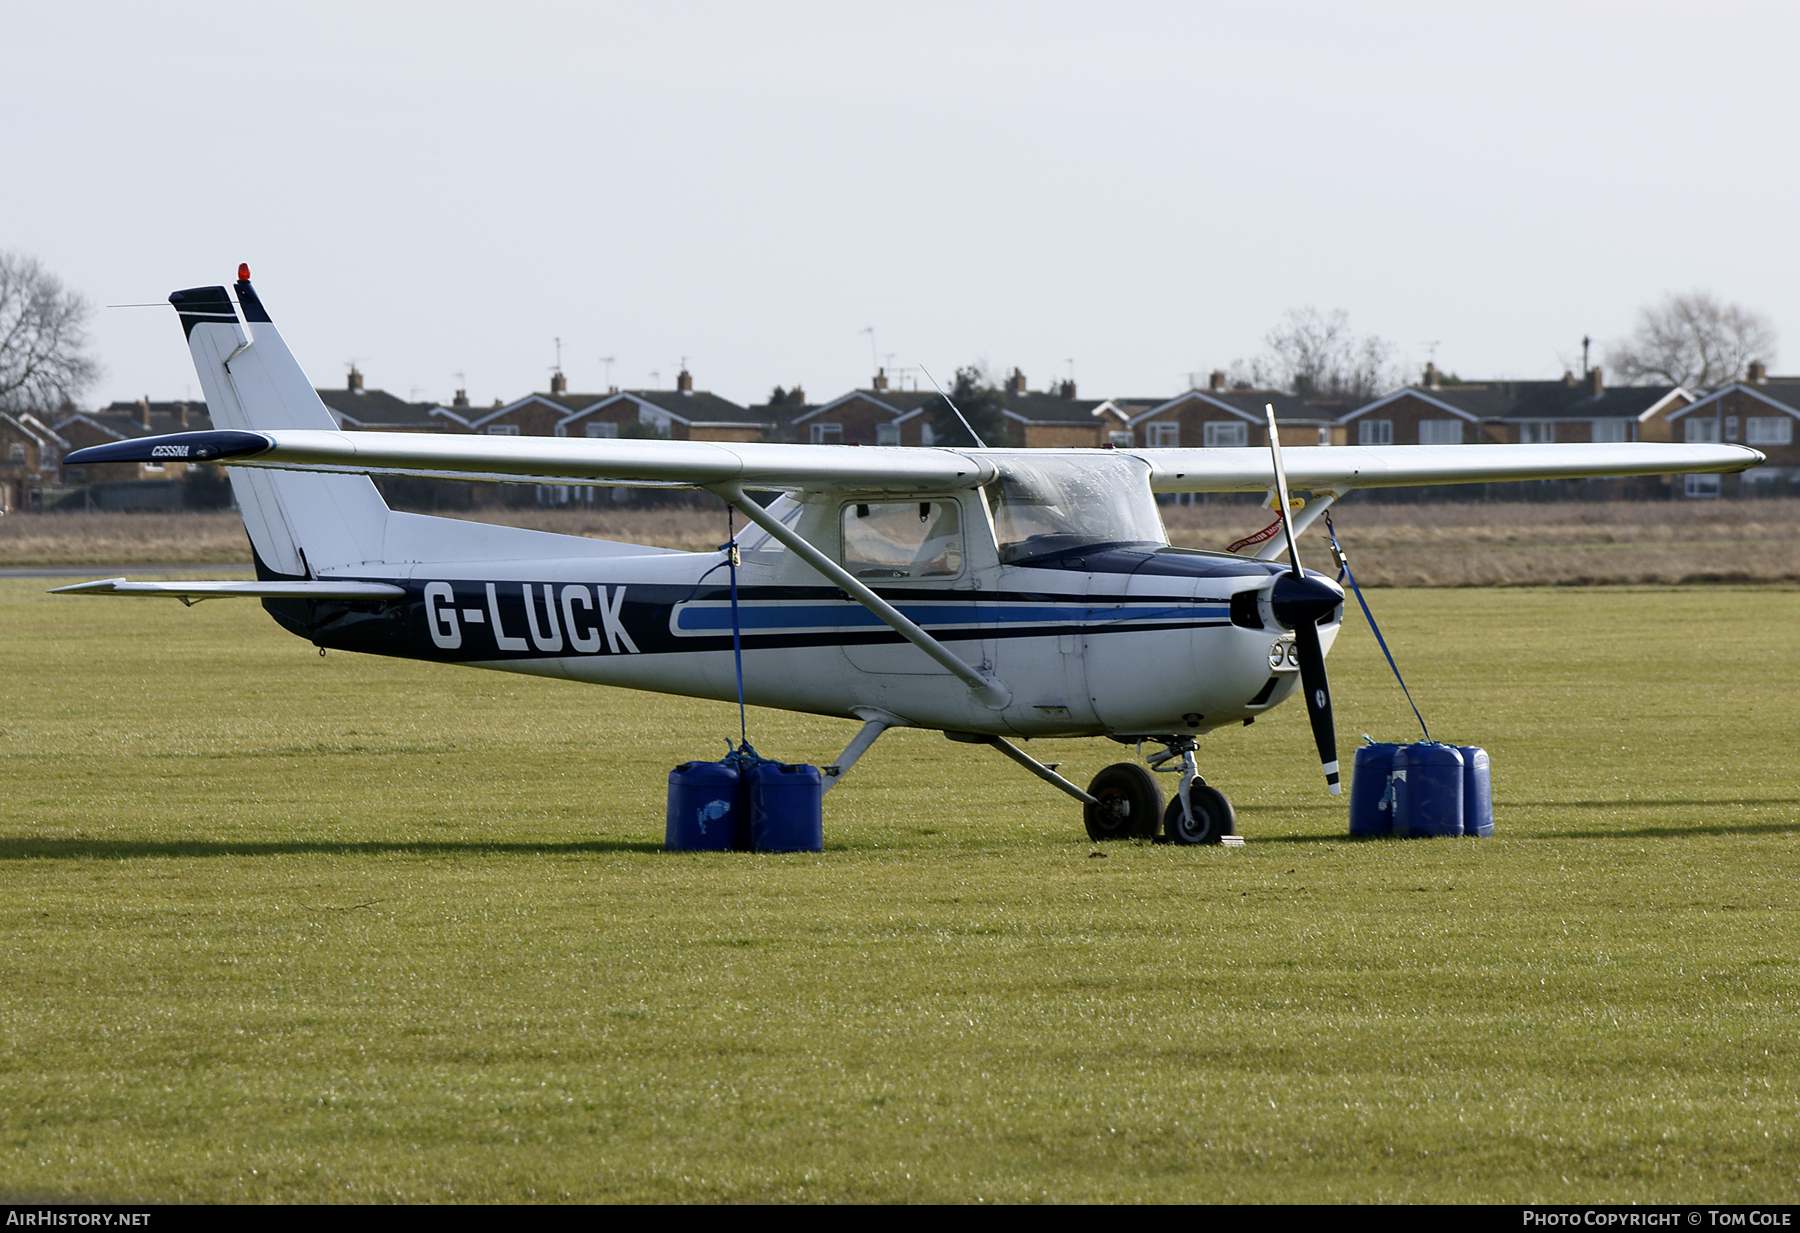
(1299,603)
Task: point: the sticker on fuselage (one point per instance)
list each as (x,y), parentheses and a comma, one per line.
(585,620)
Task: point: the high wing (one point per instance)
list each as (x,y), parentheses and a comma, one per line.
(562,460)
(565,460)
(1343,467)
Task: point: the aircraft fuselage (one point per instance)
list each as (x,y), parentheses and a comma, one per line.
(1107,639)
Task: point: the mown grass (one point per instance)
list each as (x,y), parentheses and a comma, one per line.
(277,927)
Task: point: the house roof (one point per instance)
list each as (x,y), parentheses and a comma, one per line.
(560,404)
(31,426)
(901,404)
(1036,408)
(696,409)
(1246,405)
(1531,400)
(1781,394)
(123,421)
(354,409)
(1557,401)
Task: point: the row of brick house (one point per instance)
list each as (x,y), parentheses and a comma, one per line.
(1760,411)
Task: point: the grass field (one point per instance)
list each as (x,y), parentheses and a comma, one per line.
(282,927)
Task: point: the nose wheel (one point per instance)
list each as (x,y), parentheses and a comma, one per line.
(1196,813)
(1126,801)
(1208,817)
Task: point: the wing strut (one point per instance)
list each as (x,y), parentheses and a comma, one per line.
(990,691)
(1321,502)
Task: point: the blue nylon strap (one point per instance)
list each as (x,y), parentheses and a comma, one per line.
(737,638)
(1343,573)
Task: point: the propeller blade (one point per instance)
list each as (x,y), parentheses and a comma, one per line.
(1296,602)
(1281,489)
(1318,699)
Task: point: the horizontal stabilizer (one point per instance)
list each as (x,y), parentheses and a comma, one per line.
(219,446)
(194,592)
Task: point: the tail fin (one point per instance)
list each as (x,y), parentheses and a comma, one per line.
(298,523)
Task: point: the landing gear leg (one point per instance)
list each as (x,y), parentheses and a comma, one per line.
(1196,813)
(1046,773)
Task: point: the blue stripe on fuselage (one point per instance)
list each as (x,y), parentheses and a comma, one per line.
(713,616)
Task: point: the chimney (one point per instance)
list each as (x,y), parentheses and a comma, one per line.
(880,379)
(685,382)
(559,384)
(1015,384)
(1215,380)
(1066,390)
(1431,375)
(181,419)
(1594,386)
(461,399)
(355,380)
(1568,378)
(143,408)
(796,397)
(1759,372)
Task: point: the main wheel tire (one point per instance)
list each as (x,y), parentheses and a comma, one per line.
(1213,817)
(1131,803)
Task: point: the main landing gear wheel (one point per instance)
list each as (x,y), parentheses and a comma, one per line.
(1213,817)
(1131,803)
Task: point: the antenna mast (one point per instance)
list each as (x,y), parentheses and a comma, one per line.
(959,415)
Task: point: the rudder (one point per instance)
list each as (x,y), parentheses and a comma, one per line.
(298,523)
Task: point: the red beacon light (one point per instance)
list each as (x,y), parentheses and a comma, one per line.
(243,271)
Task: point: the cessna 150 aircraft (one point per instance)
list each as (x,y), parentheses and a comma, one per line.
(986,593)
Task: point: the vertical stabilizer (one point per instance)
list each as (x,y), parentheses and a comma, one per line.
(299,524)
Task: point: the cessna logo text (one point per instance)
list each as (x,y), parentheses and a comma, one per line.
(527,616)
(168,451)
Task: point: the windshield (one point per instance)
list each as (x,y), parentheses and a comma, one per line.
(1071,502)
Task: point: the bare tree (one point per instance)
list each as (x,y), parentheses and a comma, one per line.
(43,337)
(1317,355)
(1691,340)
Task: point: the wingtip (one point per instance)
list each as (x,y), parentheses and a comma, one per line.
(100,586)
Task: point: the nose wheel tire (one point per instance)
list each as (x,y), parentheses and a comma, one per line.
(1213,817)
(1131,803)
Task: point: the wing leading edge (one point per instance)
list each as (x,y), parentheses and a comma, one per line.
(611,461)
(564,460)
(1344,467)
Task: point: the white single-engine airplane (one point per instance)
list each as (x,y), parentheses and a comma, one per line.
(985,593)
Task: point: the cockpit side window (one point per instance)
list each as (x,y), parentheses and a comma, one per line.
(757,544)
(1042,508)
(903,539)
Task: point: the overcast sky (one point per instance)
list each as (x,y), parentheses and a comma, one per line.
(1139,190)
